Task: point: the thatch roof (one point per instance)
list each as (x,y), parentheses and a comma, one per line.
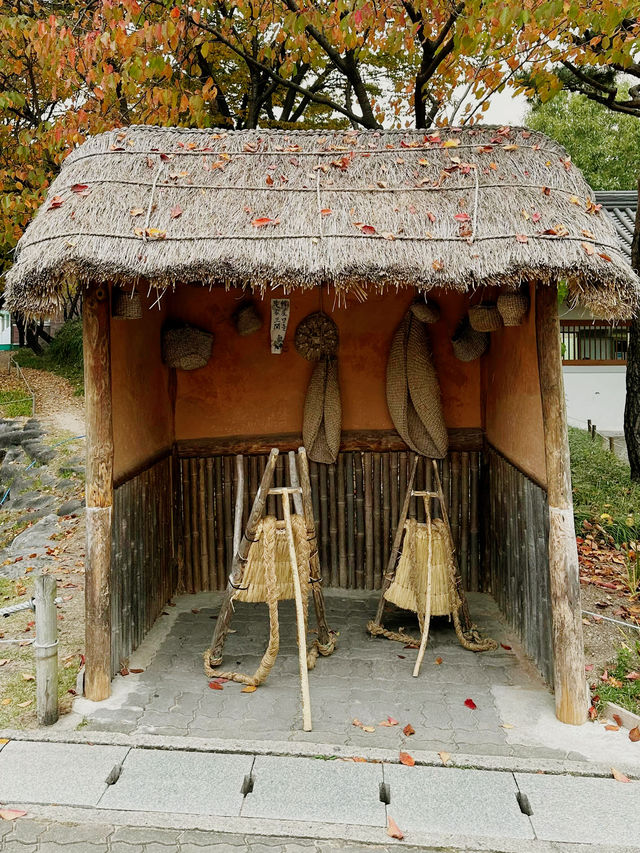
(456,208)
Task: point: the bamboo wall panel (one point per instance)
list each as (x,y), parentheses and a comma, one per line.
(356,504)
(517,557)
(144,542)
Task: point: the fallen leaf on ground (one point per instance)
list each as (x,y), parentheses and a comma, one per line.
(124,670)
(250,688)
(215,686)
(617,718)
(611,728)
(506,726)
(408,730)
(356,722)
(469,703)
(389,722)
(444,756)
(508,648)
(136,671)
(11,814)
(358,759)
(26,676)
(7,701)
(393,830)
(368,729)
(438,661)
(407,759)
(25,704)
(4,740)
(618,776)
(634,734)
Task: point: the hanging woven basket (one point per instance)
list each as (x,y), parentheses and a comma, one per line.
(426,311)
(247,319)
(467,343)
(186,347)
(126,305)
(485,317)
(513,308)
(316,336)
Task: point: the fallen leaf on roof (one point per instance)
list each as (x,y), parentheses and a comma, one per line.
(176,211)
(393,830)
(261,221)
(589,248)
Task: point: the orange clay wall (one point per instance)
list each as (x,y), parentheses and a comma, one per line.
(513,407)
(142,416)
(244,390)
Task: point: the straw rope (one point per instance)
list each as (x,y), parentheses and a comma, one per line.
(267,536)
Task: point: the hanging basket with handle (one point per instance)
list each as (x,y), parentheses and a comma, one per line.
(485,317)
(513,308)
(467,343)
(186,347)
(126,305)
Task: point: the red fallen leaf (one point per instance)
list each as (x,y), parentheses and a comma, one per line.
(618,776)
(31,556)
(389,722)
(593,712)
(269,181)
(469,703)
(402,657)
(522,238)
(633,676)
(326,211)
(366,229)
(393,830)
(136,671)
(11,814)
(507,648)
(165,157)
(81,189)
(588,667)
(546,190)
(431,216)
(124,671)
(56,202)
(176,211)
(72,691)
(634,734)
(536,217)
(408,730)
(438,661)
(406,759)
(618,719)
(605,257)
(215,686)
(461,217)
(261,221)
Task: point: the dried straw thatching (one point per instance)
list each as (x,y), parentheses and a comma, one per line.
(458,208)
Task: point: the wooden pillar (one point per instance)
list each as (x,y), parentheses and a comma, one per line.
(99,490)
(568,648)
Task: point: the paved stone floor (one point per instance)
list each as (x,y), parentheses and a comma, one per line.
(368,679)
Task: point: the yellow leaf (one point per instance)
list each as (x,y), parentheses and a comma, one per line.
(444,756)
(368,728)
(507,726)
(250,688)
(574,199)
(451,143)
(6,701)
(4,740)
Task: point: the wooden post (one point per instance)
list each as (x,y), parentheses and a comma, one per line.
(46,650)
(99,490)
(568,648)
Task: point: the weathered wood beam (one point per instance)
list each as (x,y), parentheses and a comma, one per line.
(99,490)
(568,648)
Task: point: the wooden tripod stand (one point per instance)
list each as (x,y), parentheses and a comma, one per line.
(300,491)
(458,604)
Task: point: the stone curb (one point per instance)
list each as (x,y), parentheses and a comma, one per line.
(294,830)
(629,719)
(299,749)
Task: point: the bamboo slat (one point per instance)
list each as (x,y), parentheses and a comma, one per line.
(343,574)
(360,529)
(333,526)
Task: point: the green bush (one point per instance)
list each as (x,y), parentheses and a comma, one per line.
(63,356)
(602,489)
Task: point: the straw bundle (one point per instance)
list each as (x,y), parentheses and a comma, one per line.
(126,306)
(322,413)
(467,343)
(186,347)
(409,587)
(330,222)
(513,308)
(413,391)
(254,573)
(485,317)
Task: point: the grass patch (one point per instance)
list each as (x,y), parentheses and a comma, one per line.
(14,404)
(63,356)
(602,488)
(617,687)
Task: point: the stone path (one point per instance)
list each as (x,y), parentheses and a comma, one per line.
(113,796)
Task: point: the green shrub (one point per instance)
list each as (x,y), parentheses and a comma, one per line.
(63,356)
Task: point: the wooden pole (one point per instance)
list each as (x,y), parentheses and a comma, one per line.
(427,608)
(568,648)
(99,490)
(302,640)
(46,650)
(237,519)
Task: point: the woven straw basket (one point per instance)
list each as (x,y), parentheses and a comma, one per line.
(126,305)
(407,583)
(316,336)
(254,573)
(467,343)
(513,308)
(485,317)
(247,319)
(186,347)
(426,312)
(322,417)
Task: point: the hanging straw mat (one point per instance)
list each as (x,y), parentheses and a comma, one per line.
(322,415)
(409,587)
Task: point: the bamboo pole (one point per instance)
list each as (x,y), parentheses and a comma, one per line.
(351,534)
(294,479)
(386,510)
(343,575)
(473,531)
(302,640)
(195,526)
(222,564)
(333,526)
(99,490)
(210,497)
(427,609)
(377,522)
(202,519)
(360,522)
(464,518)
(367,473)
(324,523)
(237,518)
(568,648)
(227,493)
(46,650)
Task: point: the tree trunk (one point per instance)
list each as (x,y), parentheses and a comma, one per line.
(632,404)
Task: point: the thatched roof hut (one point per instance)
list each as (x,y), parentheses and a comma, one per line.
(456,208)
(374,216)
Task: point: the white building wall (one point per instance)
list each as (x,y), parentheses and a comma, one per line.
(595,393)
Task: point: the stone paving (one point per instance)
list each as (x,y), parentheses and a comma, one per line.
(46,836)
(368,679)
